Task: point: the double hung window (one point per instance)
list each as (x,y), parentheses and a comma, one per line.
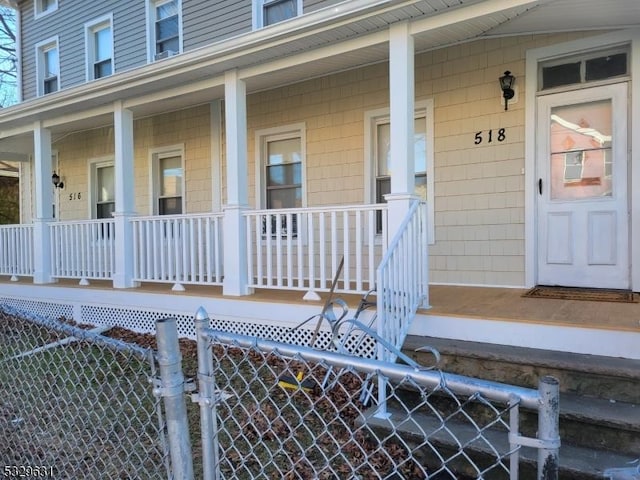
(165,28)
(48,67)
(168,181)
(269,12)
(105,198)
(281,175)
(99,40)
(44,7)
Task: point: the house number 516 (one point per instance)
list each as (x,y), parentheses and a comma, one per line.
(489,136)
(75,196)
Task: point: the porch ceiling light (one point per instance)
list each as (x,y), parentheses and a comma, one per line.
(55,179)
(506,84)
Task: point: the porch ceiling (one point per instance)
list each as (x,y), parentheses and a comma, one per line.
(338,38)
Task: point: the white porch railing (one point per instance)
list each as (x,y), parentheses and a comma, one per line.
(16,250)
(300,249)
(402,286)
(402,278)
(180,249)
(83,249)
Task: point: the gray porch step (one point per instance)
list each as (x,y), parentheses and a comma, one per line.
(599,399)
(616,379)
(575,462)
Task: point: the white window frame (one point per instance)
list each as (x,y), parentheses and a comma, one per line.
(38,12)
(371,120)
(94,165)
(155,155)
(151,27)
(90,28)
(296,130)
(258,9)
(41,48)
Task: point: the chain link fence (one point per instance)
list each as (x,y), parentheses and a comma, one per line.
(76,404)
(271,410)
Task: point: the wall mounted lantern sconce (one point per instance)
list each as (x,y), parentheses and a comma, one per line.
(506,84)
(55,179)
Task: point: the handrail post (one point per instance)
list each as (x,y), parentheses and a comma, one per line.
(172,390)
(208,422)
(548,427)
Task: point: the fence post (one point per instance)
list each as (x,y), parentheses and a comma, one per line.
(172,390)
(208,425)
(548,428)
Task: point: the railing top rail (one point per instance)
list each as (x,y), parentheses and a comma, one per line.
(320,209)
(458,384)
(143,218)
(396,239)
(62,223)
(16,226)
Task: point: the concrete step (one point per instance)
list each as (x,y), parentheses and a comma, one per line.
(608,378)
(599,400)
(575,462)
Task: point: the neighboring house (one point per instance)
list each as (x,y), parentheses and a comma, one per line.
(251,144)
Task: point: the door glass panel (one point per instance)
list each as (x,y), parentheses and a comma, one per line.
(581,151)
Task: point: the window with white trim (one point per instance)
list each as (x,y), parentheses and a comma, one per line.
(48,67)
(281,179)
(168,181)
(378,153)
(269,12)
(164,28)
(44,7)
(103,193)
(99,46)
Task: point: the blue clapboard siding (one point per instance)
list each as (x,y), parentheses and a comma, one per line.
(313,5)
(209,21)
(204,22)
(68,23)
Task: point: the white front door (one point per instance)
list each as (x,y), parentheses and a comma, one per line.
(582,205)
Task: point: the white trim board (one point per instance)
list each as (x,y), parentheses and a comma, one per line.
(547,337)
(586,341)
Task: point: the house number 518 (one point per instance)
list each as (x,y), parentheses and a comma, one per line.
(489,136)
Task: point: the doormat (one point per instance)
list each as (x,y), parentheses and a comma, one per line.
(575,293)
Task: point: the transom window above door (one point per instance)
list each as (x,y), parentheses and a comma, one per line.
(586,68)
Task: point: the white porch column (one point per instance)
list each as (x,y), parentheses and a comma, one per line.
(235,241)
(401,109)
(44,201)
(125,205)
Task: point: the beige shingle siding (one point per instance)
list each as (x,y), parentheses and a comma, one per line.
(189,127)
(67,22)
(479,189)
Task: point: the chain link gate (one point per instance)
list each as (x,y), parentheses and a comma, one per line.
(270,410)
(76,404)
